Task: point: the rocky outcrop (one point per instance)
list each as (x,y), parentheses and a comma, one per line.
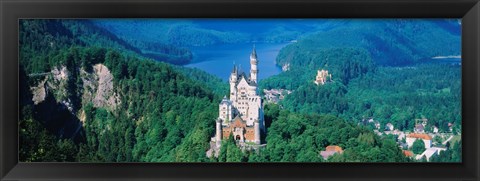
(39,92)
(105,95)
(54,108)
(55,81)
(98,88)
(57,84)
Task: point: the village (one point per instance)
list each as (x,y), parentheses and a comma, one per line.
(434,141)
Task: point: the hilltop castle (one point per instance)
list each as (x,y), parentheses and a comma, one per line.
(241,114)
(322,77)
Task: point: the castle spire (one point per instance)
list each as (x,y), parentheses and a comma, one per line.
(253,55)
(253,65)
(234,70)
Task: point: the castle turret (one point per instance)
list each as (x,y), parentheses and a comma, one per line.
(218,135)
(256,127)
(225,110)
(233,81)
(253,65)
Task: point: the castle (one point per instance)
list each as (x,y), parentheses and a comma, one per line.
(241,114)
(322,77)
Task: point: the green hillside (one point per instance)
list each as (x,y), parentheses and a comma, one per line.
(389,42)
(91,93)
(148,96)
(381,69)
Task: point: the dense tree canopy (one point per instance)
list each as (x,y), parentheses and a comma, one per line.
(418,146)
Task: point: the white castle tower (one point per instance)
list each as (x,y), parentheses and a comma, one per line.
(241,115)
(232,81)
(253,65)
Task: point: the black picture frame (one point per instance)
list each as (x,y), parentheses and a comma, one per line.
(11,11)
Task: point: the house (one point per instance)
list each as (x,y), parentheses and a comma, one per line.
(419,128)
(401,136)
(412,137)
(420,125)
(331,150)
(376,123)
(389,127)
(435,129)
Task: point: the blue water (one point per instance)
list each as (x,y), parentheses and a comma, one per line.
(219,59)
(451,61)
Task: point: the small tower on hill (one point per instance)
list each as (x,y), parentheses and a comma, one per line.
(322,77)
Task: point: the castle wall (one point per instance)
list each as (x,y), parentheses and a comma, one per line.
(226,133)
(250,134)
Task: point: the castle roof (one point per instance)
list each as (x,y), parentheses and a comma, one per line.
(225,100)
(238,122)
(419,127)
(249,82)
(238,118)
(234,70)
(254,53)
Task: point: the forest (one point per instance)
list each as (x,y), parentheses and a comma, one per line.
(158,111)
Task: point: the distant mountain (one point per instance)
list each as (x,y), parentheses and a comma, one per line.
(91,35)
(168,31)
(202,32)
(390,42)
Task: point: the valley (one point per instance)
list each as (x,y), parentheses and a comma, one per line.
(94,91)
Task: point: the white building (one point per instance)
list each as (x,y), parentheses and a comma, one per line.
(412,137)
(242,113)
(389,126)
(435,129)
(322,77)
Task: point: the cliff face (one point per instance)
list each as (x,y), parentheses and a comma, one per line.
(98,88)
(55,107)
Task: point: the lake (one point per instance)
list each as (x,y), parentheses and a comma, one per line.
(445,60)
(219,59)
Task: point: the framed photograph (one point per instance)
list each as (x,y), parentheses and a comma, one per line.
(239,90)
